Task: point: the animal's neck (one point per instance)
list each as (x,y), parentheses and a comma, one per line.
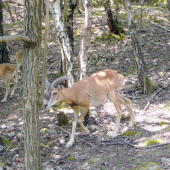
(65,95)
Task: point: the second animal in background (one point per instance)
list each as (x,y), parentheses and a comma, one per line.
(9,72)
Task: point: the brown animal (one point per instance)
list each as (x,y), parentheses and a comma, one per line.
(19,58)
(7,72)
(94,90)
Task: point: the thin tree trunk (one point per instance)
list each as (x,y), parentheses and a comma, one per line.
(31,60)
(86,39)
(69,6)
(45,51)
(67,59)
(4,58)
(111,3)
(168,4)
(10,13)
(111,22)
(143,78)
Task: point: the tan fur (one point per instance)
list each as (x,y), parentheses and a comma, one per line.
(19,58)
(94,90)
(7,72)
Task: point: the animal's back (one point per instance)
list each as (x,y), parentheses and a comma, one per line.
(97,86)
(6,70)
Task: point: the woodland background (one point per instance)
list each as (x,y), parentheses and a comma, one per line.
(146,146)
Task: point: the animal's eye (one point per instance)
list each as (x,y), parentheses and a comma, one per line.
(55,93)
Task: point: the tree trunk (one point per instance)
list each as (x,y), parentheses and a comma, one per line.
(143,78)
(45,52)
(67,59)
(113,26)
(111,3)
(31,60)
(69,6)
(86,39)
(4,58)
(168,4)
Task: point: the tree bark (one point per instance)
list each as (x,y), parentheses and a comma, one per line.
(168,4)
(112,23)
(4,58)
(69,6)
(31,60)
(86,39)
(66,49)
(45,51)
(143,78)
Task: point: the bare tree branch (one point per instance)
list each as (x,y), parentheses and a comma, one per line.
(15,38)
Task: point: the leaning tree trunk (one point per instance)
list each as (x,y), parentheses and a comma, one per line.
(31,60)
(86,39)
(113,26)
(4,58)
(143,78)
(67,59)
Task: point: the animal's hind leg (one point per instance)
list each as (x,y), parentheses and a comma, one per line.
(15,85)
(7,90)
(80,120)
(114,98)
(128,104)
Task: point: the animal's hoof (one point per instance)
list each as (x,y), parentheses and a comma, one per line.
(69,144)
(111,134)
(3,100)
(87,132)
(132,124)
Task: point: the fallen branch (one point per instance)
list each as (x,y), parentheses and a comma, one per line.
(83,141)
(159,26)
(147,147)
(149,102)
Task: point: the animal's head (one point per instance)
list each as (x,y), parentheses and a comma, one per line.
(51,91)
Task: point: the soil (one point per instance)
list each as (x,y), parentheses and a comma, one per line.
(96,151)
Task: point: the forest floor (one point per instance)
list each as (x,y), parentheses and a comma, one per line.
(142,147)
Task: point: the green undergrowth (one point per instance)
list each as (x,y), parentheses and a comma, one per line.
(153,142)
(110,37)
(132,134)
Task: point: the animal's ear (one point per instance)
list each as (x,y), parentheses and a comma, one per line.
(46,82)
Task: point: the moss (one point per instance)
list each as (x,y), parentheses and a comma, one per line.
(48,145)
(63,119)
(110,37)
(123,15)
(139,133)
(149,86)
(129,133)
(97,13)
(41,146)
(162,123)
(71,158)
(168,128)
(124,115)
(58,74)
(6,142)
(91,161)
(148,166)
(153,142)
(45,129)
(139,154)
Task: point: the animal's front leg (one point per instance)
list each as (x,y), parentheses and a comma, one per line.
(74,124)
